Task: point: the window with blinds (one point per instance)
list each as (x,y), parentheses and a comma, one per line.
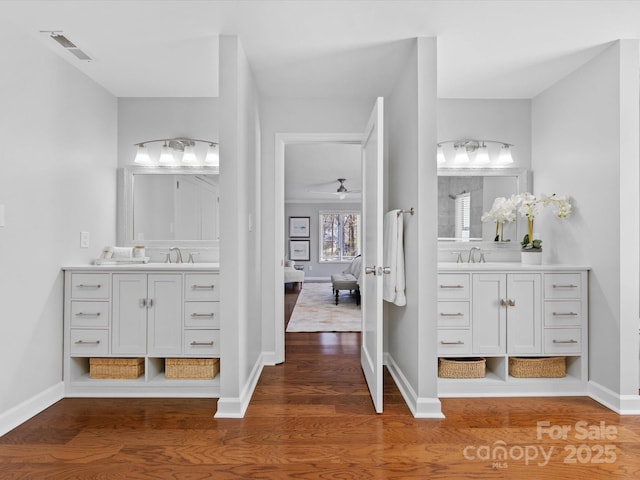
(463,215)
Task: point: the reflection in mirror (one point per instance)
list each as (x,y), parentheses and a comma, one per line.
(464,195)
(165,207)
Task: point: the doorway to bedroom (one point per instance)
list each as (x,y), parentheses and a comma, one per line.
(322,220)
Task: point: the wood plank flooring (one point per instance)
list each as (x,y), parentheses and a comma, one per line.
(311,418)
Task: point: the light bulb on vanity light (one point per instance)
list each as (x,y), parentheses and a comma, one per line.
(440,156)
(482,157)
(462,157)
(166,155)
(505,157)
(142,155)
(213,156)
(189,156)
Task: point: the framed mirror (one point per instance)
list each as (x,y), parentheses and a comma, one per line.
(465,194)
(168,207)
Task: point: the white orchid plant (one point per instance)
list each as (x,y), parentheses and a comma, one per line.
(502,211)
(528,205)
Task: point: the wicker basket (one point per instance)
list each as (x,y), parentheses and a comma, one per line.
(191,368)
(537,367)
(462,367)
(116,368)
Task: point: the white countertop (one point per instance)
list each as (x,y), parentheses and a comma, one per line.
(506,266)
(147,267)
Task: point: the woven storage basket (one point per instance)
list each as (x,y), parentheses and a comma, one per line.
(116,368)
(191,368)
(462,367)
(538,367)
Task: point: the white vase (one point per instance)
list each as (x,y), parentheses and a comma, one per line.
(531,257)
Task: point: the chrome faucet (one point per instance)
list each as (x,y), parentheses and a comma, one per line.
(178,254)
(472,258)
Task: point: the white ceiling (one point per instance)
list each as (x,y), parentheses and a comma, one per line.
(486,49)
(312,171)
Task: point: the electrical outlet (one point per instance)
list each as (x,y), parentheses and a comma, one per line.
(84,239)
(310,267)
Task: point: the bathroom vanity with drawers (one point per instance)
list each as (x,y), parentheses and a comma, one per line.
(150,312)
(500,310)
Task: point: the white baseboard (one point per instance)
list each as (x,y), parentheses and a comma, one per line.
(421,407)
(30,408)
(621,404)
(235,407)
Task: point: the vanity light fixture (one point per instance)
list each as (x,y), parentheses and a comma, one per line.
(178,150)
(479,153)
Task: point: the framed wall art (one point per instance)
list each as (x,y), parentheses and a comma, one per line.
(299,227)
(299,250)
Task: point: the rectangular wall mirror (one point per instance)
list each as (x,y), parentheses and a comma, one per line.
(167,207)
(464,194)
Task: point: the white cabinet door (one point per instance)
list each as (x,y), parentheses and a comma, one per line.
(129,314)
(164,308)
(489,316)
(524,313)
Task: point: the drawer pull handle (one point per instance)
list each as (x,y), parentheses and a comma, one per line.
(82,342)
(451,286)
(565,341)
(202,314)
(83,285)
(570,285)
(451,314)
(87,314)
(201,287)
(202,344)
(564,314)
(459,342)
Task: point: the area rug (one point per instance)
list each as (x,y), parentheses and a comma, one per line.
(316,311)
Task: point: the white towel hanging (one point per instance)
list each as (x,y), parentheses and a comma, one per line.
(393,284)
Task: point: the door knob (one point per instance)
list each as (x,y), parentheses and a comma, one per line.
(385,270)
(503,303)
(370,270)
(511,303)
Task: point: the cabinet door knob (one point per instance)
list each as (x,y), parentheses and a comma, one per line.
(511,303)
(503,303)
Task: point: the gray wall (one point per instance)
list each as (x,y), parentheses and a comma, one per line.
(57,178)
(585,144)
(314,269)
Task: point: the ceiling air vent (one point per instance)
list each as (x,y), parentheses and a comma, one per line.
(68,44)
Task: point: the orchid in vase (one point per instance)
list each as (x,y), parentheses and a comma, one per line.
(529,207)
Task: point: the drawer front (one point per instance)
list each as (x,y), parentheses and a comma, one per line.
(90,314)
(89,343)
(453,315)
(202,314)
(201,342)
(563,314)
(453,286)
(452,342)
(201,286)
(562,340)
(90,285)
(562,286)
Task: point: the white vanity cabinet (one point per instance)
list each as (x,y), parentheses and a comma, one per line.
(152,312)
(496,311)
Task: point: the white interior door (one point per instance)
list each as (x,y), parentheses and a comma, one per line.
(371,280)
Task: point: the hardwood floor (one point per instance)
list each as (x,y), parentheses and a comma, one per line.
(311,418)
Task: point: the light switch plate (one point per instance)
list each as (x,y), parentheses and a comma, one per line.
(84,239)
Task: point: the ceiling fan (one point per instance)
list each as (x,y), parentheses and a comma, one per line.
(342,191)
